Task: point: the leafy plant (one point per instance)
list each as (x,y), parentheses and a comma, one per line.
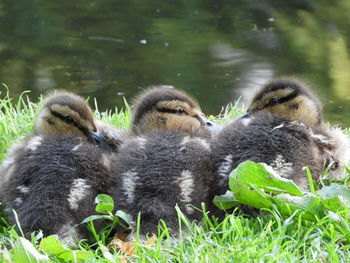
(259,186)
(105,206)
(24,251)
(52,246)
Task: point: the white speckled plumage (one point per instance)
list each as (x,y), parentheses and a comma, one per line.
(79,189)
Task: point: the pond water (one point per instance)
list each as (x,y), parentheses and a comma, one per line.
(216,50)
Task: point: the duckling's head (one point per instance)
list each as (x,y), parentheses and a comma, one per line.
(67,113)
(167,108)
(289,98)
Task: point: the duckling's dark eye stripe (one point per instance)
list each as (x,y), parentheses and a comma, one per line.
(289,97)
(169,111)
(61,117)
(282,100)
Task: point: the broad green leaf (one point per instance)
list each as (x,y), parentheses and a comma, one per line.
(336,204)
(24,252)
(257,184)
(250,195)
(126,217)
(105,204)
(96,217)
(334,190)
(53,246)
(225,201)
(263,176)
(309,206)
(335,197)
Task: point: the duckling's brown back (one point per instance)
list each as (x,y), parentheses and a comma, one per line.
(156,171)
(284,144)
(53,183)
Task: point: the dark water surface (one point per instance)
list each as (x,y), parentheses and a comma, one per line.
(215,49)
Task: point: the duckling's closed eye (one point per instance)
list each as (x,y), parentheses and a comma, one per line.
(180,111)
(68,119)
(173,111)
(273,101)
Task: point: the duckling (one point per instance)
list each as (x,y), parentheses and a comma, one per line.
(283,128)
(300,104)
(289,98)
(166,163)
(51,177)
(161,108)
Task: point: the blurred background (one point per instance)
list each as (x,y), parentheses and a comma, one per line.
(217,50)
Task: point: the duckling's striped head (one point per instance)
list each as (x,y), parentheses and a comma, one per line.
(64,112)
(167,108)
(289,98)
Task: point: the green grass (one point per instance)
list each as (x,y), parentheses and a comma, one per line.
(268,237)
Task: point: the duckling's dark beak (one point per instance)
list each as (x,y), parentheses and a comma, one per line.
(211,126)
(98,139)
(249,113)
(246,115)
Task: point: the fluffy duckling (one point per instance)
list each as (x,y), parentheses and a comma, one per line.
(167,163)
(52,177)
(292,99)
(161,108)
(283,128)
(289,98)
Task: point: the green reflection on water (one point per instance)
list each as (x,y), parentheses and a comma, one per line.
(216,50)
